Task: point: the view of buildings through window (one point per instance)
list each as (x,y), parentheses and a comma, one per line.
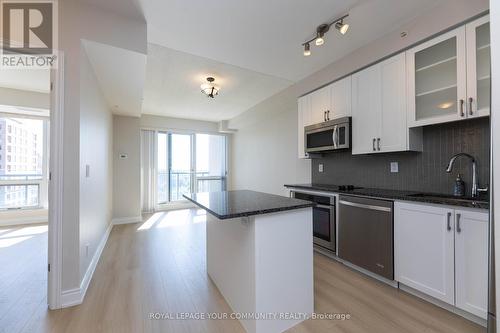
(21,161)
(189,163)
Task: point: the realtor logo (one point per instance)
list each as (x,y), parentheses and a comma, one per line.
(28,33)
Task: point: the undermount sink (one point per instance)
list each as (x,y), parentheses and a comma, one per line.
(446,197)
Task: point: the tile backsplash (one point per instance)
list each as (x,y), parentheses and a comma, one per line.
(418,171)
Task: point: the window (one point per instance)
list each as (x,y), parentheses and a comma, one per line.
(189,163)
(23,180)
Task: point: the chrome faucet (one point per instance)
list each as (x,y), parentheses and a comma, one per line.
(475,185)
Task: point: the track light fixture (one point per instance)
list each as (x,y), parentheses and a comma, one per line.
(322,29)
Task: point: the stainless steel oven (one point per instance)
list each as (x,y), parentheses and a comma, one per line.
(327,136)
(323,217)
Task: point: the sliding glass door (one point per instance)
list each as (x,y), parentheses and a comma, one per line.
(181,165)
(162,168)
(189,163)
(210,163)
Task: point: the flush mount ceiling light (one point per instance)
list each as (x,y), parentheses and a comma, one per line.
(210,88)
(321,30)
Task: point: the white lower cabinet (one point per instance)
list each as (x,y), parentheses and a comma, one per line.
(424,246)
(471,261)
(443,252)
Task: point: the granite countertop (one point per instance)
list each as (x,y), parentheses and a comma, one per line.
(232,204)
(434,198)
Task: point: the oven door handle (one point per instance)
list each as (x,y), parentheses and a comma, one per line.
(323,206)
(372,207)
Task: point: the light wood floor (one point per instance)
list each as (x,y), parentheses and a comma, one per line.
(23,274)
(159,266)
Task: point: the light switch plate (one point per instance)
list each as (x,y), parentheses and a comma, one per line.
(394,167)
(320,167)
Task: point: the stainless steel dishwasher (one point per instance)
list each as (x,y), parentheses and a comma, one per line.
(365,234)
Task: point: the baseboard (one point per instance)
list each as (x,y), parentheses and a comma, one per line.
(75,296)
(441,304)
(71,297)
(185,204)
(125,220)
(24,220)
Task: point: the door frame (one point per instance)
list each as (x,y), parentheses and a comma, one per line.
(55,184)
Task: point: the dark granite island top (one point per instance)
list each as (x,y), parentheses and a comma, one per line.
(232,204)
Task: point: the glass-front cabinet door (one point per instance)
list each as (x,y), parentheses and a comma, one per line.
(437,80)
(478,67)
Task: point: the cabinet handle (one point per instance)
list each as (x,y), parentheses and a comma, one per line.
(324,115)
(470,106)
(328,114)
(459,230)
(378,144)
(448,221)
(462,114)
(373,145)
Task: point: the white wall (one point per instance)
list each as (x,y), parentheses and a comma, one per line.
(127,172)
(24,98)
(263,153)
(168,123)
(78,21)
(264,150)
(96,146)
(495,132)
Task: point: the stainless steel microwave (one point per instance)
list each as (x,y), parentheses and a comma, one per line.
(328,136)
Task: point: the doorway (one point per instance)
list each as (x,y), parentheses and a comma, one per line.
(24,193)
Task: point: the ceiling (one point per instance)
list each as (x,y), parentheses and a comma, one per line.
(173,82)
(121,75)
(37,80)
(266,36)
(253,48)
(128,8)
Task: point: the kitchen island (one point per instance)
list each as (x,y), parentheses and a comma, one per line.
(260,256)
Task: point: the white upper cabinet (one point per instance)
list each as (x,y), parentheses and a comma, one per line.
(331,102)
(478,67)
(379,109)
(471,261)
(366,109)
(340,94)
(304,119)
(393,128)
(320,105)
(448,76)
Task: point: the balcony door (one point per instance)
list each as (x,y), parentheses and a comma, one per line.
(181,166)
(188,163)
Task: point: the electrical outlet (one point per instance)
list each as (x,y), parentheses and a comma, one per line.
(87,171)
(394,167)
(320,167)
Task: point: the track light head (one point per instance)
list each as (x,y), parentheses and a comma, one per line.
(307,49)
(320,32)
(342,27)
